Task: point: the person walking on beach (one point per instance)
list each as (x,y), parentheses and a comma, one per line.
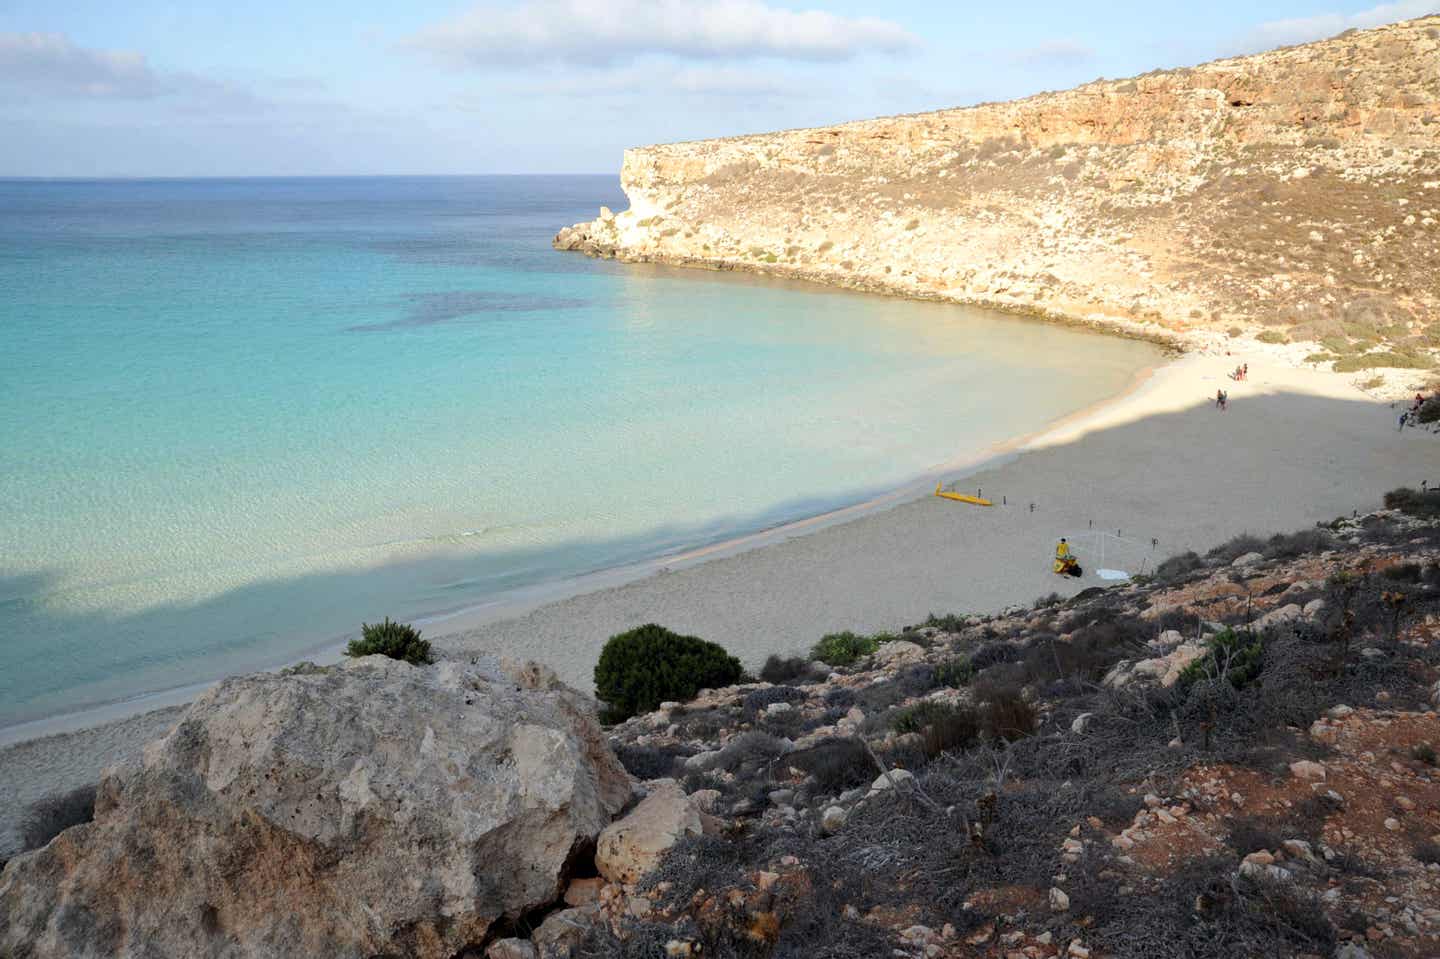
(1245,372)
(1221,397)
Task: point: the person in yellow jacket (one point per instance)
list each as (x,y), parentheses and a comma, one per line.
(1063,560)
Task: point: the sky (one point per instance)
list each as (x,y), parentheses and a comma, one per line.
(285,88)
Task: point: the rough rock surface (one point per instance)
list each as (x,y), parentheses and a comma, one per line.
(1297,189)
(365,809)
(632,845)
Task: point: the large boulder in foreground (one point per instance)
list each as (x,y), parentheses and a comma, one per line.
(371,808)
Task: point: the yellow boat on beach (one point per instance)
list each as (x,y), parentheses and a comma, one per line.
(960,497)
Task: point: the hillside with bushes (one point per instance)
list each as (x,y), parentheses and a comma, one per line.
(1235,758)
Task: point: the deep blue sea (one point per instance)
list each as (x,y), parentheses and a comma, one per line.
(238,417)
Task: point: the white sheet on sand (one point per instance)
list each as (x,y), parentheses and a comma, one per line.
(1112,574)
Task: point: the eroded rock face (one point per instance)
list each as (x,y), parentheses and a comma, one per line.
(1297,187)
(365,809)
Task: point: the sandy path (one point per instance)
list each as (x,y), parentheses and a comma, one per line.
(1297,446)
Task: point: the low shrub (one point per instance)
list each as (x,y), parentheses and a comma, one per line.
(838,764)
(1116,808)
(843,649)
(1383,359)
(917,679)
(1179,566)
(954,673)
(755,702)
(1232,550)
(949,623)
(49,817)
(1272,336)
(1239,656)
(1420,504)
(943,727)
(1004,713)
(1291,545)
(871,699)
(1183,620)
(784,669)
(1093,649)
(644,667)
(1251,834)
(1403,572)
(397,640)
(748,753)
(649,762)
(1006,716)
(993,654)
(705,724)
(1429,411)
(1045,602)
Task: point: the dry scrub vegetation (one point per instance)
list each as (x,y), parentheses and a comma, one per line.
(1236,757)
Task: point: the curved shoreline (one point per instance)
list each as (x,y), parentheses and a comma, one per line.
(523,599)
(1175,342)
(1297,446)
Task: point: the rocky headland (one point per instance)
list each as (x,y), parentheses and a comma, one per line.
(1292,195)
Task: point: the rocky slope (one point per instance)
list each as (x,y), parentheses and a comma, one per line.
(1297,190)
(1109,776)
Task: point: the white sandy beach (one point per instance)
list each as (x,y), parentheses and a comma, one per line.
(1297,446)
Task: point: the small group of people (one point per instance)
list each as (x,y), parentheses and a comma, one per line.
(1222,400)
(1242,372)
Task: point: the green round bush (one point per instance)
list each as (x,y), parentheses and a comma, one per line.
(396,640)
(640,669)
(843,649)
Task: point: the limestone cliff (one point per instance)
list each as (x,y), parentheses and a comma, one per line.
(1297,189)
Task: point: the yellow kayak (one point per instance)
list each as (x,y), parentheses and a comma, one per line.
(961,497)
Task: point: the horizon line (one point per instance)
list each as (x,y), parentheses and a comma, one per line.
(10,178)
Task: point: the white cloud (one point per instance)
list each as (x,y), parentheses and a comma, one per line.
(50,66)
(49,63)
(600,32)
(696,80)
(1279,33)
(1062,53)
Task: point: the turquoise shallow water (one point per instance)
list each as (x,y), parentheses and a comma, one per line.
(239,417)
